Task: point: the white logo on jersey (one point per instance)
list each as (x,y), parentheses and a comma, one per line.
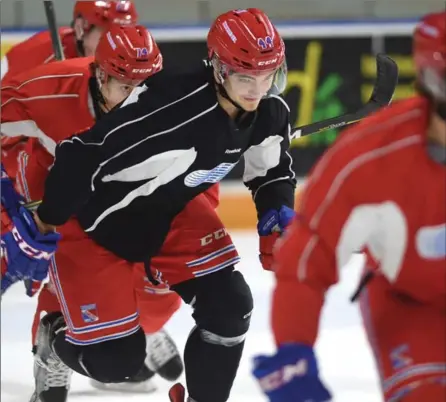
(198,177)
(431,242)
(233,151)
(383,228)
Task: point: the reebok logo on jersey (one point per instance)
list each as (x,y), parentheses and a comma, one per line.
(233,151)
(198,177)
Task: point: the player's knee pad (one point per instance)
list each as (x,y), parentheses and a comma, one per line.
(222,311)
(114,361)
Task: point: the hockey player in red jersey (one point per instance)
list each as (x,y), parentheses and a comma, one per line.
(90,19)
(47,105)
(380,188)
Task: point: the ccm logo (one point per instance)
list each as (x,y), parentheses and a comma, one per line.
(142,70)
(284,375)
(27,249)
(122,21)
(267,62)
(217,235)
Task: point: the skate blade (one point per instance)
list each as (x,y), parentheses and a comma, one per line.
(144,387)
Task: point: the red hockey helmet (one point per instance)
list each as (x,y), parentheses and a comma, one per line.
(128,53)
(246,41)
(429,52)
(105,13)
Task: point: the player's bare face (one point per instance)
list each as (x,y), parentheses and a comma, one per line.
(115,91)
(248,90)
(91,40)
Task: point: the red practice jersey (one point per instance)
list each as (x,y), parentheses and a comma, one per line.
(45,105)
(375,189)
(36,50)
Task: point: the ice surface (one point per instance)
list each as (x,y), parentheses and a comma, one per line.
(344,355)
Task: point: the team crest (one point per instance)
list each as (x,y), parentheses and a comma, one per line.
(89,313)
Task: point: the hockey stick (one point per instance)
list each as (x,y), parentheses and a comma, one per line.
(54,32)
(385,84)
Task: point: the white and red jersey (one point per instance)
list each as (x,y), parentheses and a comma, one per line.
(36,50)
(375,189)
(43,106)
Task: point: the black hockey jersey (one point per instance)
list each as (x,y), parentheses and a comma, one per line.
(129,175)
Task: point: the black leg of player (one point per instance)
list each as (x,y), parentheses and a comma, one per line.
(222,304)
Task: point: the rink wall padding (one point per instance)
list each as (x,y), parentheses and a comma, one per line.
(331,70)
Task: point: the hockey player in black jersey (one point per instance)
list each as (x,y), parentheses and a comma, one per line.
(129,177)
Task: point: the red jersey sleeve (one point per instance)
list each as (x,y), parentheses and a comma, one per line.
(35,51)
(49,102)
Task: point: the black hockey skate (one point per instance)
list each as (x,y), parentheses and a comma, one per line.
(52,377)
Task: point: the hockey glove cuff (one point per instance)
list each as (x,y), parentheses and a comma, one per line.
(26,251)
(291,375)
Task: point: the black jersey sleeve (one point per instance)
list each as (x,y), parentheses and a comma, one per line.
(79,158)
(268,166)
